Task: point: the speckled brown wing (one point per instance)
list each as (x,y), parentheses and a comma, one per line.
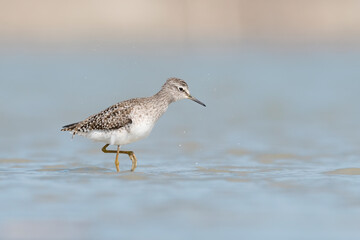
(114,117)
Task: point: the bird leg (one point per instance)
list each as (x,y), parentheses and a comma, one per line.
(117,159)
(117,155)
(130,153)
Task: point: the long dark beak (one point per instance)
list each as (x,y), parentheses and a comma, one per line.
(196,100)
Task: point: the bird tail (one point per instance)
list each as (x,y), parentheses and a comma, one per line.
(69,127)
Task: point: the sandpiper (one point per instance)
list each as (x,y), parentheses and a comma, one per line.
(130,120)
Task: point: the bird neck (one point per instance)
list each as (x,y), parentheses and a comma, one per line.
(164,96)
(161,100)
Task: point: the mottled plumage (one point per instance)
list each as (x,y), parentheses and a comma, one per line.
(131,120)
(112,118)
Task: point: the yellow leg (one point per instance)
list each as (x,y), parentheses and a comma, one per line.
(107,151)
(133,160)
(117,159)
(130,153)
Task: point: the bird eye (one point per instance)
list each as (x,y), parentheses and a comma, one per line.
(181,89)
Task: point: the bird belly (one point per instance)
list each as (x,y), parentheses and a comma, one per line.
(120,136)
(140,130)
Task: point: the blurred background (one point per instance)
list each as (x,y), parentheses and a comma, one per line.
(275,154)
(179,22)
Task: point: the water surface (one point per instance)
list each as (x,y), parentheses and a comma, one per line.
(275,154)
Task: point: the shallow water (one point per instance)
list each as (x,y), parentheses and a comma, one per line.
(275,154)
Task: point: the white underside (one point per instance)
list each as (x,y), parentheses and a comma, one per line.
(122,136)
